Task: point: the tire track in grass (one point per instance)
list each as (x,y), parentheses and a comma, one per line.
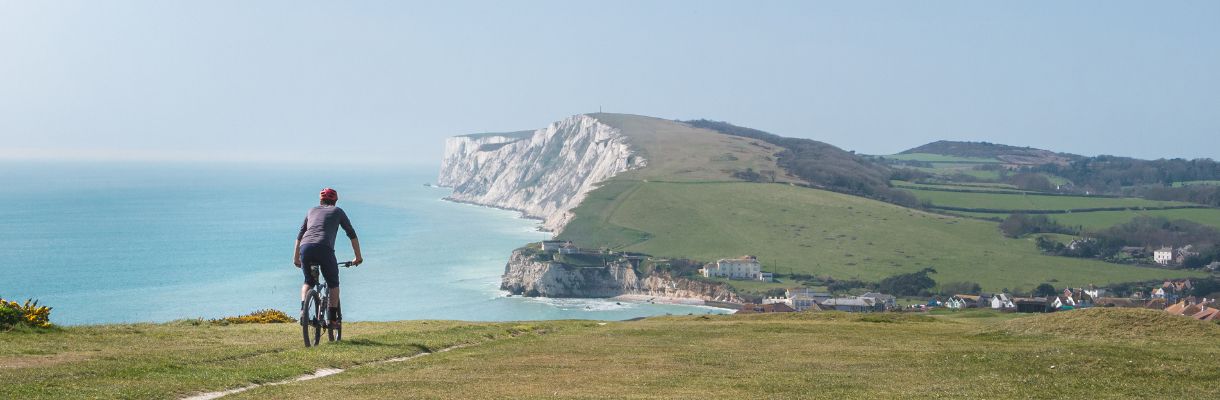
(320,373)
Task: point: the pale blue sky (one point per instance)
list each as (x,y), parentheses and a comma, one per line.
(388,81)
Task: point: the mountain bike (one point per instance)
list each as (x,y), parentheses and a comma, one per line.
(313,312)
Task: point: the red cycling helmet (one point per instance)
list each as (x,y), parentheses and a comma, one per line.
(329,194)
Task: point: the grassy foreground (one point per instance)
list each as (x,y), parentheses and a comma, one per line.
(1097,353)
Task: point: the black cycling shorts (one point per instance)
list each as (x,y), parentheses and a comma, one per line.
(316,254)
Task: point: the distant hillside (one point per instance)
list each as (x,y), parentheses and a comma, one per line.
(1002,152)
(705,190)
(822,164)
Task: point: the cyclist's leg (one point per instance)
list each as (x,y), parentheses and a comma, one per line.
(330,271)
(308,257)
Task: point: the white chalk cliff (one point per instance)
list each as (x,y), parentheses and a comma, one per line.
(543,174)
(523,275)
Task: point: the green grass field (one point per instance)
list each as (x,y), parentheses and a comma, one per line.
(794,229)
(948,170)
(679,152)
(979,188)
(171,360)
(1098,220)
(1005,201)
(1096,353)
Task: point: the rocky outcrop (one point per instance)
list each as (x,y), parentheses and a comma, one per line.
(524,275)
(543,174)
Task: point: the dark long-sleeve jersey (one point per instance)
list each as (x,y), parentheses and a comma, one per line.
(322,224)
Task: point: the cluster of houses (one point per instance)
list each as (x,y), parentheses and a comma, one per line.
(1200,309)
(1166,255)
(1171,296)
(1003,301)
(745,268)
(1170,292)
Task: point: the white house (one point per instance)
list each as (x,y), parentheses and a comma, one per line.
(955,303)
(776,300)
(746,267)
(1163,255)
(1060,301)
(1002,301)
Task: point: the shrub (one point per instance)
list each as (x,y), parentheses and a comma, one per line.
(9,317)
(912,284)
(1017,225)
(268,316)
(1045,290)
(960,287)
(28,313)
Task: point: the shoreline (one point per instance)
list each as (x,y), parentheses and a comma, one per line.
(520,213)
(632,298)
(679,301)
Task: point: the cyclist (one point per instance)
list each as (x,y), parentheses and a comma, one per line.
(315,245)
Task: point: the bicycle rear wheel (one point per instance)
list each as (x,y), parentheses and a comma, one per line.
(311,319)
(334,334)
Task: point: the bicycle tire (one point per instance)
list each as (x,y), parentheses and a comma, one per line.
(312,319)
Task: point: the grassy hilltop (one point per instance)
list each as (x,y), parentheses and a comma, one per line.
(973,175)
(687,203)
(1096,353)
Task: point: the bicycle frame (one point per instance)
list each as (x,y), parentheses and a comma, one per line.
(320,292)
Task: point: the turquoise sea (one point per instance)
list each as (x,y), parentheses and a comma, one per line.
(151,242)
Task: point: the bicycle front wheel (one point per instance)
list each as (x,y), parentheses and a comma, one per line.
(311,319)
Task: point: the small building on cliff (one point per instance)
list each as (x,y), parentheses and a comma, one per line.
(552,245)
(746,267)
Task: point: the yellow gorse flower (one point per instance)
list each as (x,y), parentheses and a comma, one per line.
(269,316)
(31,313)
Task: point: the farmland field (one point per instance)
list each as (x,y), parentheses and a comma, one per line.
(998,201)
(1097,220)
(956,187)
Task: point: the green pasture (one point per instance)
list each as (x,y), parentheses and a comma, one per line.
(678,152)
(1006,201)
(1098,220)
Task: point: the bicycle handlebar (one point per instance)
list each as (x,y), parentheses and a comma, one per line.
(345,264)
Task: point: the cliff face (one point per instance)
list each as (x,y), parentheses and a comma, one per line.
(524,276)
(544,174)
